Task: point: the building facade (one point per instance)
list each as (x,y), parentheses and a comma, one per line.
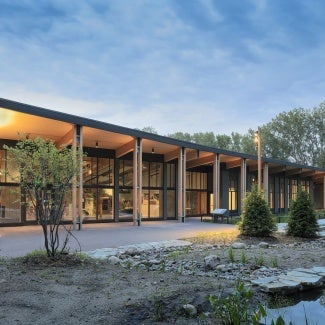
(130,175)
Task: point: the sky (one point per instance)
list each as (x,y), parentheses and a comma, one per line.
(175,65)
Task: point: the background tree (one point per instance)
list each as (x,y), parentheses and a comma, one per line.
(45,175)
(181,136)
(302,221)
(256,219)
(149,129)
(204,138)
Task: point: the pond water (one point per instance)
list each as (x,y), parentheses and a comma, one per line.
(307,308)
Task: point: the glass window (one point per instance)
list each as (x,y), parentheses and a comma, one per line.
(106,171)
(281,193)
(145,174)
(10,207)
(152,203)
(126,173)
(125,203)
(232,194)
(171,203)
(90,170)
(271,194)
(155,175)
(171,175)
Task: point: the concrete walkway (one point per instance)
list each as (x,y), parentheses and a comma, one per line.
(18,241)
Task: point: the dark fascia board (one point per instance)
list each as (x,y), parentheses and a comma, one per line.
(77,120)
(291,164)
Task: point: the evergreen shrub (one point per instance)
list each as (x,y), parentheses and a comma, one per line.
(256,219)
(302,220)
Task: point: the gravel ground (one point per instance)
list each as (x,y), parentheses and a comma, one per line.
(143,287)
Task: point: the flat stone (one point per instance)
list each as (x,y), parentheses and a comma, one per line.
(305,279)
(320,270)
(263,245)
(114,260)
(237,245)
(263,281)
(281,286)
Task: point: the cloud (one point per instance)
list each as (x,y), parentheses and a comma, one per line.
(172,65)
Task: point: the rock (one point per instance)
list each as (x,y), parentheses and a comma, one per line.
(263,245)
(211,262)
(190,310)
(221,268)
(237,245)
(114,260)
(154,262)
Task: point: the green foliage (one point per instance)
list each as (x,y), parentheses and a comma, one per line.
(302,221)
(233,310)
(231,255)
(256,219)
(45,175)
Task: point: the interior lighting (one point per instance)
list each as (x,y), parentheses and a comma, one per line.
(153,150)
(5,116)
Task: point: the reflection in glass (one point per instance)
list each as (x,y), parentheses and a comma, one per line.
(10,207)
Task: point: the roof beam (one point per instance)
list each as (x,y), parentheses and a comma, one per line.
(192,154)
(294,171)
(234,163)
(201,161)
(66,139)
(171,155)
(124,149)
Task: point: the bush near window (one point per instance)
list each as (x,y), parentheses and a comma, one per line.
(256,219)
(302,220)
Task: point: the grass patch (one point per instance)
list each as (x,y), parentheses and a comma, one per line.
(214,237)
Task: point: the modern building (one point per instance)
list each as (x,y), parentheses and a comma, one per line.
(132,175)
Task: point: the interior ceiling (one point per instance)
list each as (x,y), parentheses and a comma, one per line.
(18,125)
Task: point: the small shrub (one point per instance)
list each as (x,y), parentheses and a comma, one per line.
(302,221)
(232,310)
(231,255)
(257,218)
(243,256)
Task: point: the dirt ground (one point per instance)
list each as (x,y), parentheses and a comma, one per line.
(74,290)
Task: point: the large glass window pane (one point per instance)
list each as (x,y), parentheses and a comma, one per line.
(171,204)
(10,207)
(90,170)
(156,175)
(171,175)
(145,204)
(126,173)
(89,203)
(145,174)
(2,165)
(105,203)
(156,204)
(152,204)
(106,171)
(13,172)
(125,203)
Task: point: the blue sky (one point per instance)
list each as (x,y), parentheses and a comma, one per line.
(175,65)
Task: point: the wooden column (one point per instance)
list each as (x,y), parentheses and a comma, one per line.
(181,190)
(216,182)
(243,181)
(77,182)
(137,181)
(266,181)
